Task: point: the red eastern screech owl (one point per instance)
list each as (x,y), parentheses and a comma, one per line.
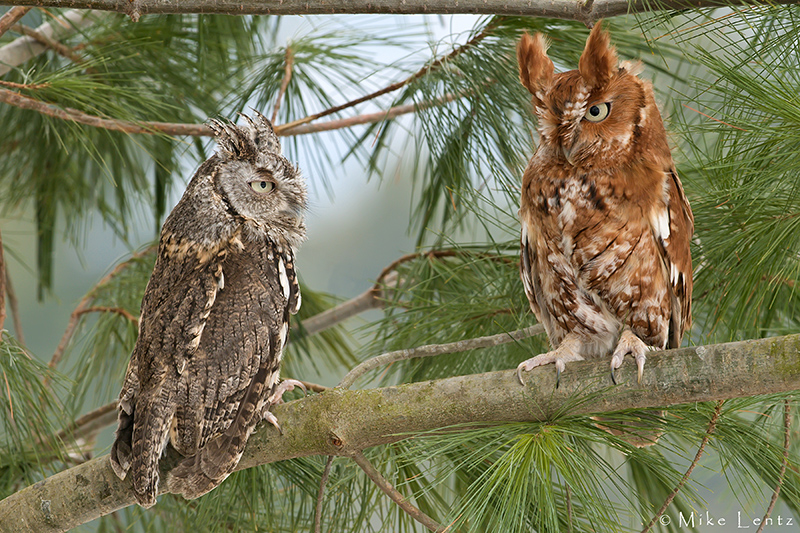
(606,226)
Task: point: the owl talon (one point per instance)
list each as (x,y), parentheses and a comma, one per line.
(285,386)
(272,419)
(562,355)
(629,343)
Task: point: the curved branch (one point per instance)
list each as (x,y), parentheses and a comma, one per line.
(395,494)
(787,430)
(437,349)
(24,48)
(343,422)
(588,12)
(712,424)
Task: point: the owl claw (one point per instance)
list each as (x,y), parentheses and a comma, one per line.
(285,386)
(629,343)
(272,419)
(559,357)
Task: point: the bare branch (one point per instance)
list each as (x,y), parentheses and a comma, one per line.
(68,113)
(587,12)
(394,494)
(104,309)
(324,481)
(287,77)
(787,431)
(400,84)
(342,422)
(11,17)
(437,349)
(201,130)
(50,43)
(85,304)
(24,48)
(13,304)
(711,425)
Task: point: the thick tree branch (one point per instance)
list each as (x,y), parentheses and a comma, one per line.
(561,9)
(343,422)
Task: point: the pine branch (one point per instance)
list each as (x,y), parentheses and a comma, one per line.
(588,12)
(50,43)
(320,494)
(394,494)
(711,426)
(11,17)
(287,77)
(2,286)
(86,303)
(22,49)
(435,65)
(342,422)
(13,304)
(787,431)
(202,130)
(437,349)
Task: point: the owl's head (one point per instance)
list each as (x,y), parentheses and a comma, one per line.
(256,182)
(601,115)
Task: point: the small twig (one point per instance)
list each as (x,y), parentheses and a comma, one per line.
(202,130)
(85,303)
(54,45)
(67,113)
(90,423)
(28,86)
(400,84)
(394,494)
(711,425)
(787,423)
(437,349)
(13,304)
(287,77)
(11,17)
(104,309)
(298,128)
(330,317)
(324,481)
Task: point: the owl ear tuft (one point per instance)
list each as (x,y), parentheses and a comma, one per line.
(599,59)
(535,68)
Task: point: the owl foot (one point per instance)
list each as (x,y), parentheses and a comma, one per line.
(277,397)
(560,357)
(285,386)
(629,343)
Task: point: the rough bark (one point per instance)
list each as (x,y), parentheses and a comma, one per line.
(587,12)
(343,422)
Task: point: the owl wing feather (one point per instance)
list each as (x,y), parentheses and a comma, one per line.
(258,298)
(175,308)
(676,256)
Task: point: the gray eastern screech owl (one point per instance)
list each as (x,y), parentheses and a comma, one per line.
(606,225)
(215,317)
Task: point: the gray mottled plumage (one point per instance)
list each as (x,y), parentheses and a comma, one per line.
(215,316)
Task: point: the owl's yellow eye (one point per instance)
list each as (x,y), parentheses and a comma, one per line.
(262,186)
(597,112)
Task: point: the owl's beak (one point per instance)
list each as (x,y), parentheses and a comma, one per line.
(567,151)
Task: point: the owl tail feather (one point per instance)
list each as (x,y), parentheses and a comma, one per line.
(200,473)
